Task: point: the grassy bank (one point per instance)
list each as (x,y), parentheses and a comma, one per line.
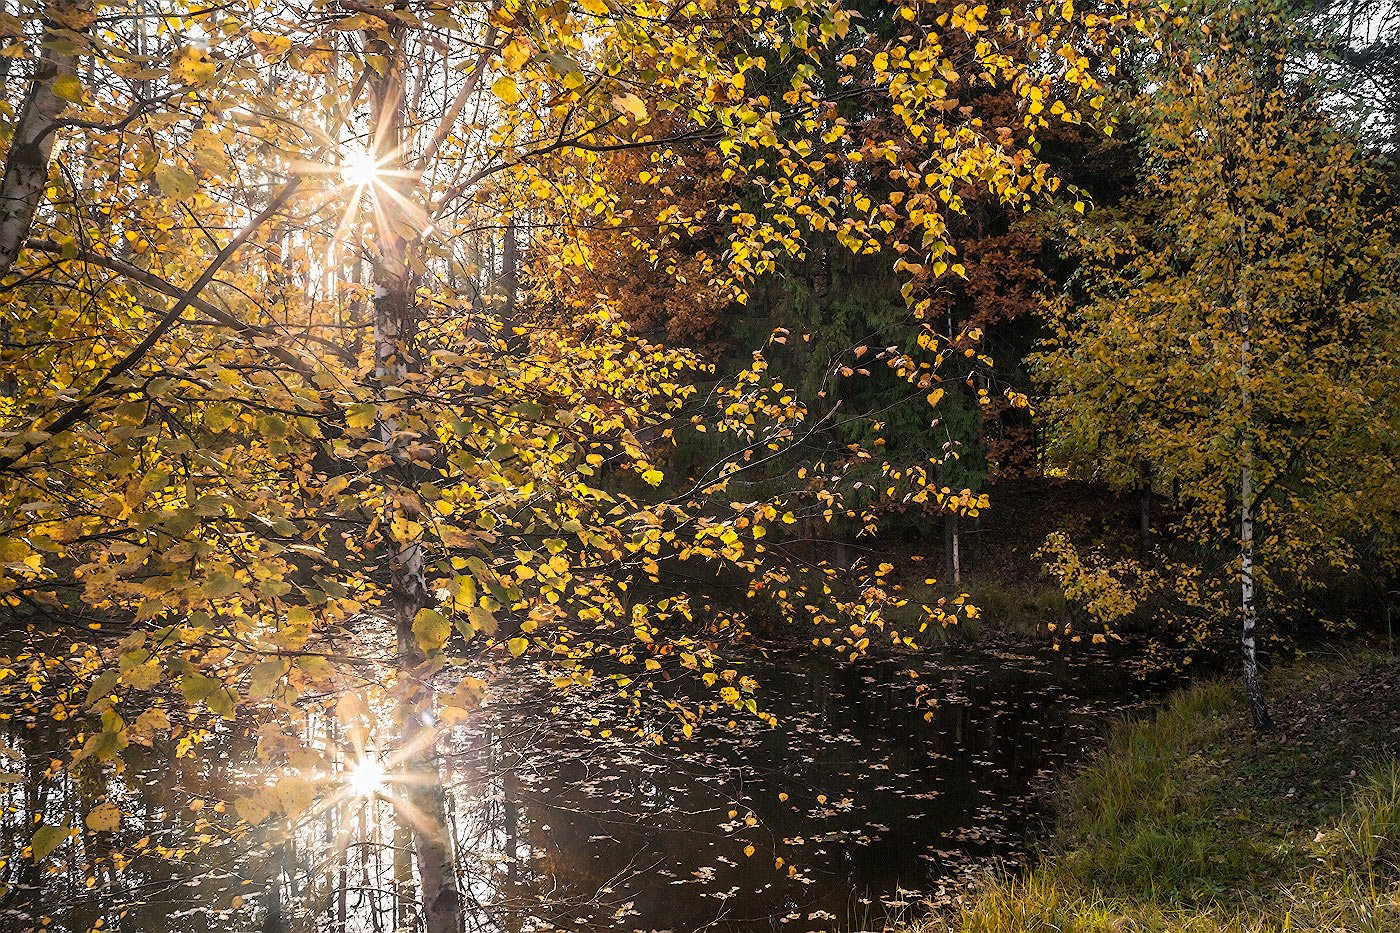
(1190,822)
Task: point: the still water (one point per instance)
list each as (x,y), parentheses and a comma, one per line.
(856,809)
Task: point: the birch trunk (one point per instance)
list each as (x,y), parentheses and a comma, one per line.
(1249,610)
(419,798)
(26,172)
(957,555)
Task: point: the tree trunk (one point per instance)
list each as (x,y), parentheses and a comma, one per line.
(510,280)
(419,800)
(1249,611)
(276,919)
(404,895)
(1144,511)
(1258,708)
(952,558)
(26,172)
(957,557)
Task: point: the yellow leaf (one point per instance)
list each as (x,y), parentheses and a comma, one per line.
(191,66)
(294,794)
(632,105)
(431,628)
(515,55)
(104,818)
(69,88)
(506,89)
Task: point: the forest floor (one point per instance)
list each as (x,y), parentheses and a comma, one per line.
(1189,821)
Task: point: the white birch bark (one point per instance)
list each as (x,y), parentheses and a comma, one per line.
(419,798)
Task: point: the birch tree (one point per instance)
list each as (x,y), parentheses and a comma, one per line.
(1237,315)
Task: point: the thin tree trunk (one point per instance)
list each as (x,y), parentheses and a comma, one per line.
(510,284)
(404,897)
(1144,511)
(952,556)
(957,557)
(1249,610)
(276,919)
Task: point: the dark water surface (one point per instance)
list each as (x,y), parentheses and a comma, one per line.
(854,810)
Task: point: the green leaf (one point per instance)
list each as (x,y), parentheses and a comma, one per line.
(201,688)
(221,583)
(518,646)
(482,619)
(46,839)
(175,182)
(102,686)
(263,677)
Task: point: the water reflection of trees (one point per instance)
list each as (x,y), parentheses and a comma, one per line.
(549,826)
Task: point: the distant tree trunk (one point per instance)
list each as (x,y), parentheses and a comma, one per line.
(5,61)
(951,548)
(1145,510)
(276,919)
(957,557)
(404,895)
(510,277)
(841,553)
(1249,610)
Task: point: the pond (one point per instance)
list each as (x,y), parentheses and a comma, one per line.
(861,806)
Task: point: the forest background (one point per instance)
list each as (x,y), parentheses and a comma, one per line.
(360,356)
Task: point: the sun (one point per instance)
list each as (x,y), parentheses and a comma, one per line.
(366,779)
(361,168)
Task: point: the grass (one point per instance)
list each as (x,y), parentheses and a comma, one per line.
(1189,822)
